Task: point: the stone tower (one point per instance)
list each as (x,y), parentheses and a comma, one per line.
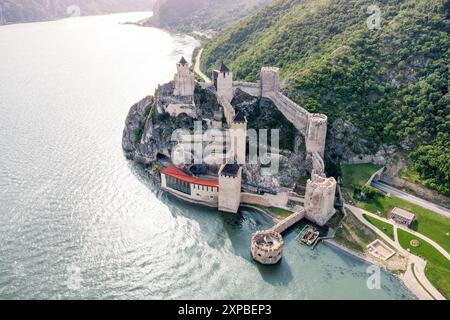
(230,181)
(317,134)
(319,199)
(223,81)
(270,80)
(238,137)
(184,79)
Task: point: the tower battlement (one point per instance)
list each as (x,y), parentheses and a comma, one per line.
(270,80)
(184,80)
(230,182)
(319,199)
(223,82)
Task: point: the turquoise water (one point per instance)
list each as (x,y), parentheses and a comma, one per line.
(77,220)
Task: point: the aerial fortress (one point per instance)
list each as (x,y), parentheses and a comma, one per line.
(225,192)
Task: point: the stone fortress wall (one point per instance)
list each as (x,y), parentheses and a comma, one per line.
(289,221)
(319,205)
(312,126)
(228,110)
(267,246)
(251,88)
(320,190)
(319,200)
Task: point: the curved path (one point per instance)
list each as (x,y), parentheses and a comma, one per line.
(413,199)
(417,234)
(197,69)
(414,277)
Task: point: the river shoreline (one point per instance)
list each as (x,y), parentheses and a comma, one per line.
(329,242)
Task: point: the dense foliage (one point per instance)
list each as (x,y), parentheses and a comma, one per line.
(392,82)
(189,15)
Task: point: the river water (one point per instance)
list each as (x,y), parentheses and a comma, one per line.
(78,220)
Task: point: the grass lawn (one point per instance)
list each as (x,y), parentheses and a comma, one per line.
(427,222)
(353,234)
(438,267)
(357,175)
(279,212)
(387,228)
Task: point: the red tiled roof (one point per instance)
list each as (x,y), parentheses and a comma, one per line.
(174,172)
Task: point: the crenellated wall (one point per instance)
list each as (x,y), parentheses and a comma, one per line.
(270,80)
(289,221)
(253,89)
(298,116)
(228,110)
(267,247)
(312,126)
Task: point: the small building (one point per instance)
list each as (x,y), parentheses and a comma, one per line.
(224,193)
(196,190)
(380,250)
(402,217)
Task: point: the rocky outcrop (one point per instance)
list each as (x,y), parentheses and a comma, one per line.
(148,132)
(134,124)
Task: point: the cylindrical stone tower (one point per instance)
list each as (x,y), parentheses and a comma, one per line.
(267,247)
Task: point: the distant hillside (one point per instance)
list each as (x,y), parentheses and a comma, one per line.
(16,11)
(379,87)
(188,15)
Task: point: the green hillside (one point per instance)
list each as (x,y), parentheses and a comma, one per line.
(391,83)
(189,15)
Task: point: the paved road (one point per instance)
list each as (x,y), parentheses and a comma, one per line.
(406,196)
(414,277)
(197,67)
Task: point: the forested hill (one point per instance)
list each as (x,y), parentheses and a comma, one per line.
(16,11)
(390,82)
(189,15)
